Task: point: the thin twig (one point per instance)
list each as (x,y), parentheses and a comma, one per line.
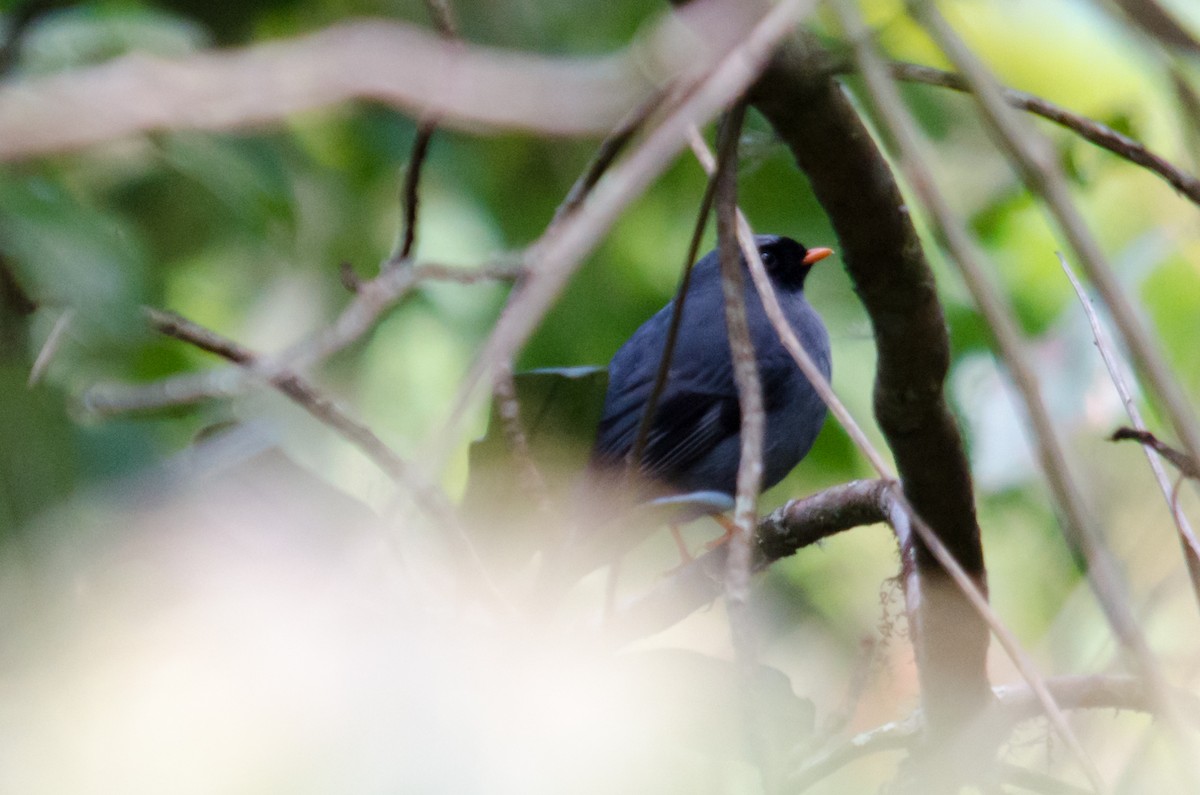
(51,346)
(1186,465)
(664,363)
(304,394)
(409,197)
(1090,130)
(897,736)
(1187,537)
(443,19)
(298,389)
(372,300)
(612,146)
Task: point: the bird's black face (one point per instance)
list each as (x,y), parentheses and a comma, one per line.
(786,261)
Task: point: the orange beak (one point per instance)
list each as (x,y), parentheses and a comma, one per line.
(815,255)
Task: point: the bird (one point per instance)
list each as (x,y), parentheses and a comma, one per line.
(691,452)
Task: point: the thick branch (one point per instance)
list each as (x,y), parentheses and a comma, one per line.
(798,524)
(883,255)
(400,65)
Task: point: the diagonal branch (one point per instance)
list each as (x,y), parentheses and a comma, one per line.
(1090,130)
(428,496)
(372,300)
(883,255)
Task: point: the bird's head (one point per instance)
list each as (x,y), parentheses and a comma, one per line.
(787,262)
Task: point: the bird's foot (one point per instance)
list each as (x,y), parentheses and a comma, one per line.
(730,531)
(685,557)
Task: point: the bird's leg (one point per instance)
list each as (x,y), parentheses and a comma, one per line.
(685,557)
(730,531)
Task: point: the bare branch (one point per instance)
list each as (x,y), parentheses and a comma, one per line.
(798,524)
(1186,465)
(401,65)
(371,301)
(745,371)
(898,736)
(298,389)
(664,363)
(1089,129)
(443,20)
(409,198)
(1014,704)
(612,146)
(51,346)
(1151,17)
(1017,703)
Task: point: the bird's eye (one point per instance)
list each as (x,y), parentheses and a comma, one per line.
(768,260)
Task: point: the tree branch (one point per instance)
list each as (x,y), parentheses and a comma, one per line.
(1090,130)
(798,524)
(428,496)
(883,256)
(299,390)
(400,65)
(372,299)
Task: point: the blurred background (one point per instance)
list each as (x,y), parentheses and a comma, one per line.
(186,611)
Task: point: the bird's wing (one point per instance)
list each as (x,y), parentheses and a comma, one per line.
(687,424)
(693,416)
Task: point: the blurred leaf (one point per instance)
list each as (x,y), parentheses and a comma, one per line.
(91,33)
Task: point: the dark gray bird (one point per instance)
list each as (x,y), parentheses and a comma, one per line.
(693,446)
